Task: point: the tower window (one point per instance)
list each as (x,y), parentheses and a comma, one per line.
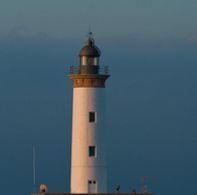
(91,181)
(92,117)
(92,151)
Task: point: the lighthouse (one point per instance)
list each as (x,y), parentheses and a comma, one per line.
(88,155)
(88,160)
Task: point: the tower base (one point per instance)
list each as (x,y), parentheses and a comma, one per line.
(117,193)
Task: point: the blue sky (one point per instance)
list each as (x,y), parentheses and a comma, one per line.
(150,47)
(108,18)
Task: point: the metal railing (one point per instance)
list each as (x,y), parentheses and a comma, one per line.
(101,70)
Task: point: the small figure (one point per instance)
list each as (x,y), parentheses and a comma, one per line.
(118,188)
(43,188)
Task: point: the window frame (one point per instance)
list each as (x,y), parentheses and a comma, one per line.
(92,151)
(92,117)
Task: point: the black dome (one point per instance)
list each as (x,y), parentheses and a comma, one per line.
(90,49)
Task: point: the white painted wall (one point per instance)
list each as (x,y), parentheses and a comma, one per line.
(85,134)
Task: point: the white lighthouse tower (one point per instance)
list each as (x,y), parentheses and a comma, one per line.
(88,162)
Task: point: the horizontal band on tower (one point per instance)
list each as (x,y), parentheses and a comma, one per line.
(97,81)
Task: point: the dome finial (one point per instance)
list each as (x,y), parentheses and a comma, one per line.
(90,34)
(90,49)
(90,40)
